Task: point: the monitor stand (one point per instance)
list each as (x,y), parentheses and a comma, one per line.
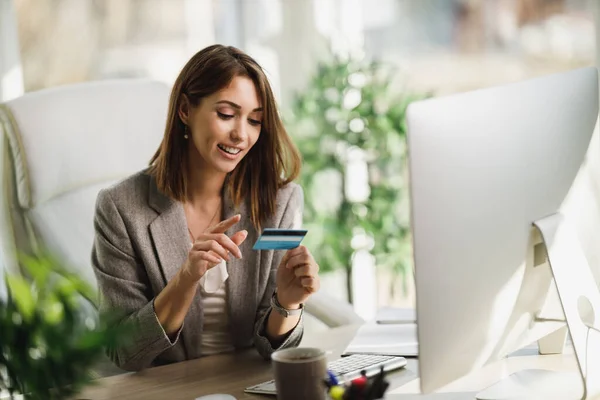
(576,289)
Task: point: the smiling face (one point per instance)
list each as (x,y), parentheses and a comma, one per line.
(215,102)
(224,126)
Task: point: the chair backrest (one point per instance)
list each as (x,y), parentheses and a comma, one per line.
(60,147)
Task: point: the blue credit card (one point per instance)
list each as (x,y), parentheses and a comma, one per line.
(279,239)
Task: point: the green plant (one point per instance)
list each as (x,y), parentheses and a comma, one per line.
(49,339)
(350,128)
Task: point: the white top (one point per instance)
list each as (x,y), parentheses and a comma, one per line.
(216,337)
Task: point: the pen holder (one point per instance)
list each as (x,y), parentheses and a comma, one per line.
(360,388)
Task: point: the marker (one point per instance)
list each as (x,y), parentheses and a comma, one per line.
(361,382)
(336,393)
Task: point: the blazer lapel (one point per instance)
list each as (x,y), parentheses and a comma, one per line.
(169,232)
(170,237)
(242,284)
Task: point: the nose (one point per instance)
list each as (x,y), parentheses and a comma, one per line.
(239,132)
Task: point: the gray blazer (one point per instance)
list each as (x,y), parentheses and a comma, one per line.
(141,241)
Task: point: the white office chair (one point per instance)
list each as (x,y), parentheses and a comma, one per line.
(58,150)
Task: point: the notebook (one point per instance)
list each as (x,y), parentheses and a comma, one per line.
(385,339)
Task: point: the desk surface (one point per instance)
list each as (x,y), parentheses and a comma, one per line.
(231,373)
(227,373)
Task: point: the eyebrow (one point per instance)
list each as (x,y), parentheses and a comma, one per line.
(232,104)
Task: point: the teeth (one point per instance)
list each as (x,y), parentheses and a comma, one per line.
(230,150)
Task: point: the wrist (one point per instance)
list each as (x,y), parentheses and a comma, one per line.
(185,280)
(287,304)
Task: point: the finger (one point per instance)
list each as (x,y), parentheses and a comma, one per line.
(303,271)
(222,226)
(239,237)
(211,245)
(310,284)
(208,245)
(299,259)
(216,255)
(308,269)
(210,257)
(299,255)
(224,241)
(285,259)
(297,251)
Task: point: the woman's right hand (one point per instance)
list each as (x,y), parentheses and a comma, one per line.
(212,247)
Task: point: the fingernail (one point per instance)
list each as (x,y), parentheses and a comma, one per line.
(245,232)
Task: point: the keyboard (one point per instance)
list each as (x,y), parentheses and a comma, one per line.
(345,369)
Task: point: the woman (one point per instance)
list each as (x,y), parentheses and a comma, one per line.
(192,286)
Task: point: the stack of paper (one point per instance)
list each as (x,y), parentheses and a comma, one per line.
(395,315)
(386,339)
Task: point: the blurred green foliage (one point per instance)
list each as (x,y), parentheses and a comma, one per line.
(349,105)
(50,334)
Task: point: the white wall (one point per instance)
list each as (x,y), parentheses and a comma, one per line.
(11,75)
(11,81)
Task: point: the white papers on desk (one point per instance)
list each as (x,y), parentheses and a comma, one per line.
(385,339)
(395,315)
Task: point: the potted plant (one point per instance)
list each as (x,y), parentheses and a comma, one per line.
(349,124)
(50,334)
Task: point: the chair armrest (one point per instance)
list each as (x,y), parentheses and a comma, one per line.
(331,311)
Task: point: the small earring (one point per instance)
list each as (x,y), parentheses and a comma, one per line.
(185,136)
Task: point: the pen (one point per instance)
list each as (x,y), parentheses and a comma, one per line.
(332,379)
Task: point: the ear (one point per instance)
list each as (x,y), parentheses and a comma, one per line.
(184,109)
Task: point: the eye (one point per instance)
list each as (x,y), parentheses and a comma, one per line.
(224,116)
(255,122)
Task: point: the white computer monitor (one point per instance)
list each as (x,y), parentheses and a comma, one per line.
(490,175)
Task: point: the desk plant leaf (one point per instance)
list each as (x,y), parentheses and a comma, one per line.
(22,296)
(50,334)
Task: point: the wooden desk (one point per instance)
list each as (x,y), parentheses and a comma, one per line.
(231,373)
(228,373)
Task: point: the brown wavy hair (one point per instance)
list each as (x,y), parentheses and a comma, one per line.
(273,161)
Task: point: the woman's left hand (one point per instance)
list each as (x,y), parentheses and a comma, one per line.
(297,278)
